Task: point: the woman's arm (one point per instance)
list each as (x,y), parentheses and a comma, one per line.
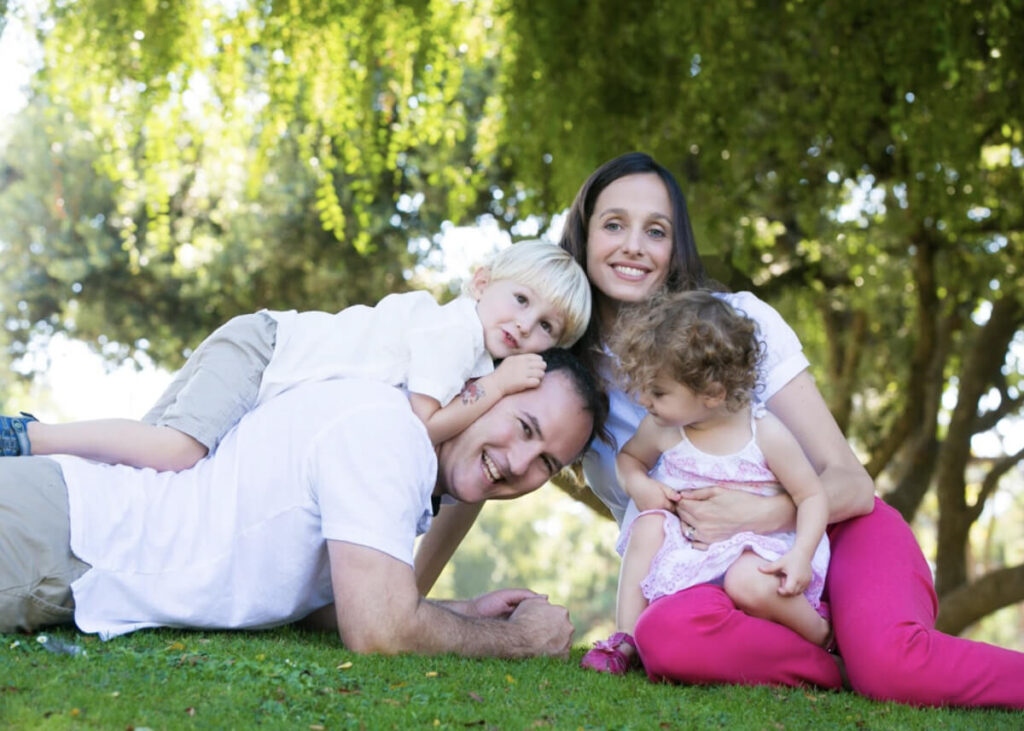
(800,406)
(436,547)
(718,513)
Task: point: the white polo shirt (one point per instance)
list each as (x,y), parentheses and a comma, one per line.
(238,541)
(784,359)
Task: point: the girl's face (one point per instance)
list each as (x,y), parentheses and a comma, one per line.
(673,404)
(630,239)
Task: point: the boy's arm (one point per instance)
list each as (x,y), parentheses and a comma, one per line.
(636,458)
(515,373)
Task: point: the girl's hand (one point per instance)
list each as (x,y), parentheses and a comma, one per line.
(717,513)
(649,494)
(794,572)
(671,496)
(518,373)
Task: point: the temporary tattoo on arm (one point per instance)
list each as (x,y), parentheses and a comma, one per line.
(472,392)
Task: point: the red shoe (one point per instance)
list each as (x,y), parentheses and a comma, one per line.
(606,657)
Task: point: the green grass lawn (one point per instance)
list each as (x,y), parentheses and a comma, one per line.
(294,679)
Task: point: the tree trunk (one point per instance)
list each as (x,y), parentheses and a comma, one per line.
(571,482)
(981,369)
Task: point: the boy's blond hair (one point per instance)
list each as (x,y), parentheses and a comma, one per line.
(553,274)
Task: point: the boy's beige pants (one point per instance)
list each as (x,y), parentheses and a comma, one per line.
(36,563)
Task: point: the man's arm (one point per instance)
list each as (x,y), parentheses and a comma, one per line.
(497,604)
(439,543)
(379,609)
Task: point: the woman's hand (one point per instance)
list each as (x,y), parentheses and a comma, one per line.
(711,514)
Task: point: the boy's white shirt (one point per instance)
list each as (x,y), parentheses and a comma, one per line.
(406,340)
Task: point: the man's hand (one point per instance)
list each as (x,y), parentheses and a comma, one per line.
(518,373)
(546,629)
(501,603)
(378,609)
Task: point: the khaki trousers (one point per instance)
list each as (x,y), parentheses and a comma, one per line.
(36,563)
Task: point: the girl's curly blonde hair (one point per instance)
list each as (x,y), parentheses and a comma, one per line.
(692,337)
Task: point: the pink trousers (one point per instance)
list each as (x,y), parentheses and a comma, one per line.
(883,609)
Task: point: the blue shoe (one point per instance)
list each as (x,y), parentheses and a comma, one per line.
(14,435)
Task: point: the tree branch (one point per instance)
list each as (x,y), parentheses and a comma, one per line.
(1007,405)
(999,468)
(924,390)
(916,478)
(970,602)
(983,359)
(571,482)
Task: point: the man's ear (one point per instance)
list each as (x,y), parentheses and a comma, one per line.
(713,395)
(477,285)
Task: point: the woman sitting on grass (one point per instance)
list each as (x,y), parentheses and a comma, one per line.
(691,360)
(629,229)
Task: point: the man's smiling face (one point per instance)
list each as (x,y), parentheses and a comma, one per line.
(518,445)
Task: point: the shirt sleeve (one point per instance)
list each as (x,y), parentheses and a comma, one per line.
(444,348)
(784,356)
(372,473)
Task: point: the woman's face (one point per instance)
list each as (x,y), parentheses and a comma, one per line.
(629,239)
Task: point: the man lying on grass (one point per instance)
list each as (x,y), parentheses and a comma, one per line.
(314,499)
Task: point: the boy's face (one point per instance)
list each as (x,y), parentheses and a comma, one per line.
(515,318)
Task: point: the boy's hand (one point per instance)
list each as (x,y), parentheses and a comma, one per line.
(519,373)
(794,572)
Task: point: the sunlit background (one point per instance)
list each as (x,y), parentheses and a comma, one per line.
(546,541)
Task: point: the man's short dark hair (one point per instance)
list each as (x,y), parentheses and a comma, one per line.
(594,399)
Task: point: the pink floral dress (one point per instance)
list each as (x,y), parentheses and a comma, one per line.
(678,565)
